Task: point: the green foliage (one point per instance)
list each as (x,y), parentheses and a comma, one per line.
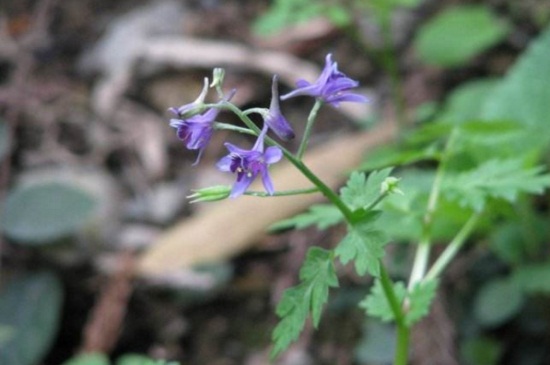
(533,278)
(317,276)
(88,359)
(30,307)
(523,94)
(418,301)
(128,359)
(321,215)
(364,245)
(480,351)
(497,301)
(290,12)
(501,179)
(45,212)
(360,192)
(466,101)
(458,34)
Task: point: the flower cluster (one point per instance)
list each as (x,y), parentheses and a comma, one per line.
(195,123)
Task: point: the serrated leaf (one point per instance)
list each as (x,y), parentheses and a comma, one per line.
(376,304)
(361,191)
(321,215)
(497,301)
(317,276)
(45,212)
(364,244)
(30,306)
(502,179)
(533,278)
(523,94)
(470,29)
(420,300)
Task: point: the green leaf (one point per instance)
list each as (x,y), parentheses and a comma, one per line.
(361,191)
(533,278)
(135,359)
(392,155)
(364,244)
(420,300)
(481,351)
(458,34)
(497,301)
(376,304)
(321,215)
(502,179)
(88,359)
(45,212)
(524,93)
(317,276)
(31,307)
(466,101)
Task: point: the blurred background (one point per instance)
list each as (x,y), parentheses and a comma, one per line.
(92,178)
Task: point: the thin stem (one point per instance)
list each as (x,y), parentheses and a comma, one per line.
(263,194)
(234,128)
(309,126)
(403,342)
(422,254)
(387,287)
(452,249)
(376,201)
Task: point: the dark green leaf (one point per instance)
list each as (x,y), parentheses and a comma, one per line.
(364,244)
(498,301)
(30,306)
(470,29)
(317,277)
(533,278)
(135,359)
(321,215)
(45,212)
(481,351)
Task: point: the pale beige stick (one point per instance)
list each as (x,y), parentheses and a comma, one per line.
(231,226)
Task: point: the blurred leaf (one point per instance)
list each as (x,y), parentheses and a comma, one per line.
(503,179)
(364,245)
(377,345)
(317,276)
(376,304)
(466,101)
(458,34)
(283,13)
(393,155)
(420,301)
(533,278)
(480,351)
(524,93)
(31,307)
(497,302)
(88,359)
(4,140)
(321,215)
(45,212)
(135,359)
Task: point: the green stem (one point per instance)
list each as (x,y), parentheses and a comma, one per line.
(309,126)
(234,128)
(403,342)
(452,249)
(263,194)
(422,254)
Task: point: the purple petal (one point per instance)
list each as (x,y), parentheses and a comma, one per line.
(266,180)
(240,186)
(272,155)
(224,164)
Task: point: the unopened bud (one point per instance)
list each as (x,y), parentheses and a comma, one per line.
(210,194)
(391,185)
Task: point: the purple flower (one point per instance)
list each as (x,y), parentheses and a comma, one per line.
(196,131)
(332,86)
(248,164)
(274,118)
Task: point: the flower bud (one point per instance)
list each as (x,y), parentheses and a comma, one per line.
(390,185)
(210,194)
